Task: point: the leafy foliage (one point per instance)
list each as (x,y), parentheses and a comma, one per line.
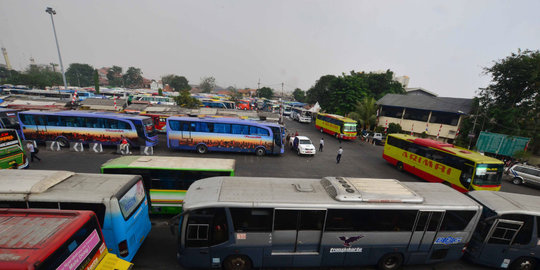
(265,92)
(36,77)
(511,103)
(133,77)
(96,81)
(186,100)
(207,84)
(394,128)
(299,95)
(365,113)
(114,75)
(319,92)
(80,74)
(178,83)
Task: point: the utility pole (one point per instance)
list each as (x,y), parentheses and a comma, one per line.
(282,91)
(258,87)
(53,12)
(471,135)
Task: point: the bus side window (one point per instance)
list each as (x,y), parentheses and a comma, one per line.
(456,220)
(97,208)
(174,125)
(220,232)
(252,220)
(524,235)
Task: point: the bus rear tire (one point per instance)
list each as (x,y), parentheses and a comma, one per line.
(237,263)
(523,263)
(63,142)
(202,149)
(390,261)
(260,152)
(399,166)
(516,181)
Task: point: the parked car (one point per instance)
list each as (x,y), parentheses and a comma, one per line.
(302,145)
(376,138)
(521,174)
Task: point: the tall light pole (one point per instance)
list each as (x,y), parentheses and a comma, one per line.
(53,12)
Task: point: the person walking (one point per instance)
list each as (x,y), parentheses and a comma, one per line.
(321,145)
(339,152)
(33,151)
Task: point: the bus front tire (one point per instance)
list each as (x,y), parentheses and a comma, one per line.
(237,263)
(202,149)
(390,261)
(260,152)
(523,263)
(399,166)
(516,181)
(63,142)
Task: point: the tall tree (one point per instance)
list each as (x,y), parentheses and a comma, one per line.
(207,84)
(114,75)
(179,83)
(510,104)
(80,74)
(133,77)
(299,95)
(36,76)
(186,100)
(96,81)
(365,113)
(319,92)
(265,92)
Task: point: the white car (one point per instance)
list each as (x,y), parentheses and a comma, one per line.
(302,145)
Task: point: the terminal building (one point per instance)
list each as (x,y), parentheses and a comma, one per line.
(421,111)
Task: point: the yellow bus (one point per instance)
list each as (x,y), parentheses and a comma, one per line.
(439,162)
(336,125)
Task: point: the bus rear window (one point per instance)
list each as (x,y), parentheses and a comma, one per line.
(149,127)
(8,138)
(132,199)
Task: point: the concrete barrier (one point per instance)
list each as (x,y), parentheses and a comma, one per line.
(76,146)
(96,147)
(147,150)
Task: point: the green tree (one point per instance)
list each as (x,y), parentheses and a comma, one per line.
(346,90)
(80,74)
(365,113)
(208,84)
(510,104)
(178,83)
(265,92)
(235,95)
(299,95)
(394,128)
(114,75)
(36,77)
(160,92)
(319,92)
(186,100)
(133,78)
(96,81)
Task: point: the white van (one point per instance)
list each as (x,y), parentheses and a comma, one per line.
(525,174)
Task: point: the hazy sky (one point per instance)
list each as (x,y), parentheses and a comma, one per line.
(441,45)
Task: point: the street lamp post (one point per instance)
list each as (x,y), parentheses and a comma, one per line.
(53,12)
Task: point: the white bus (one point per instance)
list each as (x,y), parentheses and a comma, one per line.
(119,201)
(301,115)
(243,222)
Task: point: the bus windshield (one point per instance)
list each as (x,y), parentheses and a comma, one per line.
(349,127)
(488,174)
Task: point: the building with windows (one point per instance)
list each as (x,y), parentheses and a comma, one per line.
(415,112)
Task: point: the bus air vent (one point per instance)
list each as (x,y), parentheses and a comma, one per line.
(304,187)
(369,190)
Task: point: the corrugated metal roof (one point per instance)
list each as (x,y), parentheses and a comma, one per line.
(442,104)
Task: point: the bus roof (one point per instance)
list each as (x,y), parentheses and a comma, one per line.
(178,163)
(328,192)
(508,203)
(339,117)
(87,113)
(229,120)
(23,185)
(449,148)
(27,236)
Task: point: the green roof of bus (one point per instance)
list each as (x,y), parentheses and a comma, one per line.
(174,163)
(456,150)
(339,117)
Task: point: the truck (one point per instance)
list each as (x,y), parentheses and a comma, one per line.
(500,144)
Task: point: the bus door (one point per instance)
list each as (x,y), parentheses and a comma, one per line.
(297,235)
(186,131)
(277,146)
(424,231)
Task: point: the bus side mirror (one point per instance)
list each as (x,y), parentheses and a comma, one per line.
(173,223)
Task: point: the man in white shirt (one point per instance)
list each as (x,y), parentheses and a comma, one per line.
(32,151)
(321,144)
(339,152)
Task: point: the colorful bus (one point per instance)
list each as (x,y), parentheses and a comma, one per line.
(336,125)
(243,222)
(8,119)
(87,127)
(119,201)
(435,161)
(224,134)
(11,150)
(167,179)
(54,239)
(159,119)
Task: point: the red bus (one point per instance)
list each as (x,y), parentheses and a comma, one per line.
(54,239)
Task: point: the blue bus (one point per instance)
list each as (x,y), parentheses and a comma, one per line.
(224,134)
(87,127)
(119,201)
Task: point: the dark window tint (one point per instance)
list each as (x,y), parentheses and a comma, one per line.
(395,112)
(222,128)
(252,220)
(456,220)
(524,235)
(444,118)
(370,220)
(415,114)
(97,208)
(174,125)
(240,129)
(198,225)
(285,220)
(311,220)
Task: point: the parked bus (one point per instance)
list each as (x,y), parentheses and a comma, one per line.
(435,161)
(213,104)
(159,119)
(508,232)
(153,100)
(336,125)
(241,222)
(87,127)
(224,134)
(8,119)
(119,201)
(287,110)
(11,150)
(243,105)
(167,179)
(54,239)
(301,115)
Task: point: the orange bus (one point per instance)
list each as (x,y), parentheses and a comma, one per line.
(439,162)
(336,125)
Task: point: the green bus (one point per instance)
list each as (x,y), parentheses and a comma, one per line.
(166,179)
(11,150)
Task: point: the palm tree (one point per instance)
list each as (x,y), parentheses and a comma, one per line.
(365,112)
